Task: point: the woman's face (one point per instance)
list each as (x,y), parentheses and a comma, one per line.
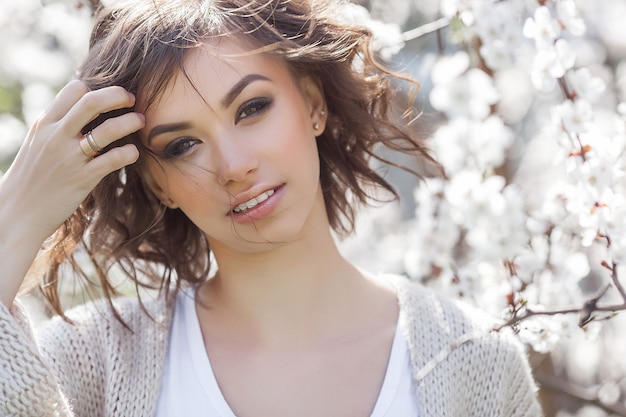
(237,151)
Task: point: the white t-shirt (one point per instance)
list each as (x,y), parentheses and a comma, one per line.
(189,387)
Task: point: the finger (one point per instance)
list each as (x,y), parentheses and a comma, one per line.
(115,128)
(112,160)
(92,104)
(65,100)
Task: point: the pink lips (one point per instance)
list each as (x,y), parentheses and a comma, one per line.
(259,212)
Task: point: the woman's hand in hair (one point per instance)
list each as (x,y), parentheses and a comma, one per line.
(51,174)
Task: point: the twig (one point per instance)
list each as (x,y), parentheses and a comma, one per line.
(565,89)
(528,313)
(616,281)
(426,29)
(586,311)
(590,306)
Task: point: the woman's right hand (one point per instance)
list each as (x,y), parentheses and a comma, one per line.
(51,175)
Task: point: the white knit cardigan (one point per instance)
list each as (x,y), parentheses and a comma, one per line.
(98,368)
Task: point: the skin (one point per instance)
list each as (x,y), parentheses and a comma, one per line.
(50,175)
(287,334)
(291,327)
(264,139)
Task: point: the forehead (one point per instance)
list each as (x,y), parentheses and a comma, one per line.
(210,71)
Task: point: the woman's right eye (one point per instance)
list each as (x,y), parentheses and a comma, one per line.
(179,147)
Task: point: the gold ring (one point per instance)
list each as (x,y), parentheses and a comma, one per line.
(89,146)
(92,142)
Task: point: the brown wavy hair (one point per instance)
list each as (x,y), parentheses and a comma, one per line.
(140,45)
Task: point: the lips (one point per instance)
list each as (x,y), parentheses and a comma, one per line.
(253,206)
(253,202)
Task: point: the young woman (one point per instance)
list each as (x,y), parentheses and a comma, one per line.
(208,149)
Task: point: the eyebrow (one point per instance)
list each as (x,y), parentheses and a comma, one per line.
(167,128)
(228,99)
(239,87)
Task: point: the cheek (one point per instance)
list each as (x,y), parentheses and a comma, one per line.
(174,181)
(298,139)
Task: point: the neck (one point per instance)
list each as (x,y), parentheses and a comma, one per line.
(296,287)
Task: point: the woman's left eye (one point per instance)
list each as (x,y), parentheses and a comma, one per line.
(252,108)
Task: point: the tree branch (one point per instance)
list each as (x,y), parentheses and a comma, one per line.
(426,29)
(616,281)
(585,311)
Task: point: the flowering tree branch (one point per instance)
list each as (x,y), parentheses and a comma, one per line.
(475,234)
(585,312)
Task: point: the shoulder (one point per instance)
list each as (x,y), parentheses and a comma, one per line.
(452,317)
(101,318)
(97,350)
(436,323)
(453,346)
(97,326)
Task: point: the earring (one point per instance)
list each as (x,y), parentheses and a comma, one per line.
(322,112)
(168,202)
(316,126)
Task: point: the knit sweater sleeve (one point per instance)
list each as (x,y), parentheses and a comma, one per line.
(461,367)
(27,384)
(74,353)
(94,367)
(518,396)
(106,367)
(496,372)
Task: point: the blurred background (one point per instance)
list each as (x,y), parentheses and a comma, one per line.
(521,100)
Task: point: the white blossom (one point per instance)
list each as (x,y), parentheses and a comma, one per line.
(570,18)
(542,28)
(449,68)
(542,333)
(552,62)
(617,250)
(586,85)
(516,94)
(466,143)
(499,29)
(394,11)
(471,93)
(492,215)
(387,37)
(497,54)
(463,8)
(574,116)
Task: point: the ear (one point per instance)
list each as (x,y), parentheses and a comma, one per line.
(158,190)
(314,96)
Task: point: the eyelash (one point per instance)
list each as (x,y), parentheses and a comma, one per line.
(178,147)
(182,145)
(255,107)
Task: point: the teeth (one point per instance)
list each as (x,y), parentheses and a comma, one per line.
(253,202)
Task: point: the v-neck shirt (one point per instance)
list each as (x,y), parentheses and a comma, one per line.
(189,387)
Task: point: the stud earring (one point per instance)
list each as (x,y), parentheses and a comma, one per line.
(316,126)
(322,112)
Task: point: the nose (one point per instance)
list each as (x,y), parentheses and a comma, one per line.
(236,159)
